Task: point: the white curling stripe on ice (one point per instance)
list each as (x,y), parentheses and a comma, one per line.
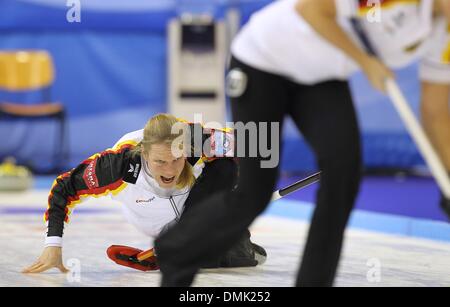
(417,133)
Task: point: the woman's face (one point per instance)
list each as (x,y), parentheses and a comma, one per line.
(165,168)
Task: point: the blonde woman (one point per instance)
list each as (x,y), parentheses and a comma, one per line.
(154,187)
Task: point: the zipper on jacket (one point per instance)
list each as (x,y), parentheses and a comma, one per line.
(175,209)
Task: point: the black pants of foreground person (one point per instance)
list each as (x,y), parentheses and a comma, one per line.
(221,176)
(325,115)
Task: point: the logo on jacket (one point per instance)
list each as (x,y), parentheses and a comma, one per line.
(89,176)
(134,169)
(139,201)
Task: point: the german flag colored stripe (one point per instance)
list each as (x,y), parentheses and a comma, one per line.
(97,192)
(113,188)
(366,5)
(55,182)
(145,255)
(119,148)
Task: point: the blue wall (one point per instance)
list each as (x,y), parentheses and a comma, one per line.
(111,76)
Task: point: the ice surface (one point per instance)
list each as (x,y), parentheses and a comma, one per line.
(401,261)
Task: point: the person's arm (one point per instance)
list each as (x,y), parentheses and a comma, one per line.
(322,17)
(442,8)
(97,176)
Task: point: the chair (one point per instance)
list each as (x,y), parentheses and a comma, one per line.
(22,71)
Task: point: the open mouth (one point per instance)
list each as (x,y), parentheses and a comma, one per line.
(167,180)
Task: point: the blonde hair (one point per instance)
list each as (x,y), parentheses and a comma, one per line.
(158,130)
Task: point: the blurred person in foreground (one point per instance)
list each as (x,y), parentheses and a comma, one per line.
(295,57)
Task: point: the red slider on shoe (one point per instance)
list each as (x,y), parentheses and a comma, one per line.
(128,256)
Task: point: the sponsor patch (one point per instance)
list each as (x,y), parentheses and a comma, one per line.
(89,176)
(132,172)
(222,144)
(140,201)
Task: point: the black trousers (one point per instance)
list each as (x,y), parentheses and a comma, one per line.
(221,176)
(325,115)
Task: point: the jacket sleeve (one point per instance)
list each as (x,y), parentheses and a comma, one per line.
(97,176)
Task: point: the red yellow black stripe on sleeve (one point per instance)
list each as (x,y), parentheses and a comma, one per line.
(366,5)
(119,148)
(113,188)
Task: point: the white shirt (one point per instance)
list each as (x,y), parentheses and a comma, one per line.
(278,40)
